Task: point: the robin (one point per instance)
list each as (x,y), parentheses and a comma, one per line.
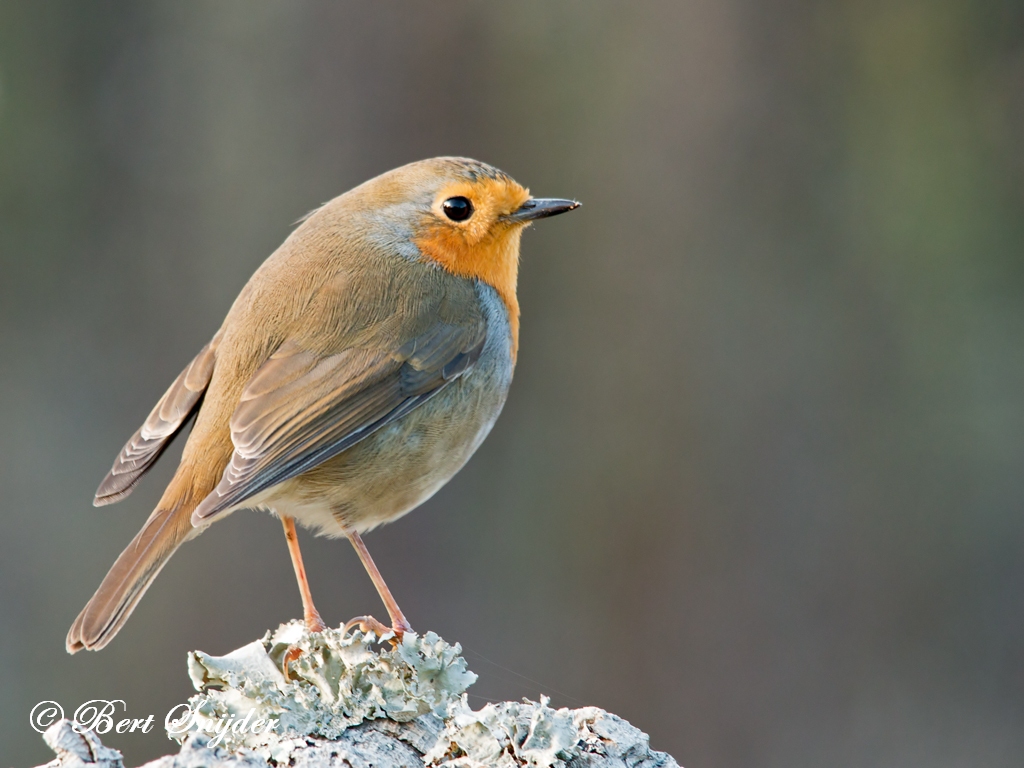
(355,374)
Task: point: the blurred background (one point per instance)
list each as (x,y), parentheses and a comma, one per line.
(758,484)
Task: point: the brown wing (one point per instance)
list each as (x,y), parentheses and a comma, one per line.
(155,434)
(301,409)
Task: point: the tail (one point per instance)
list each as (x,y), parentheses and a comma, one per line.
(129,578)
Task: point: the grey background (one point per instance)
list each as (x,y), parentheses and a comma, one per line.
(758,484)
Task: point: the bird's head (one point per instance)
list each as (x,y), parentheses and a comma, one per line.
(465,216)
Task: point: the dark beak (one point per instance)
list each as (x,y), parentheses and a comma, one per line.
(541,208)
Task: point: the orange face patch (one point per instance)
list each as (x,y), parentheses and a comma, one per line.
(484,247)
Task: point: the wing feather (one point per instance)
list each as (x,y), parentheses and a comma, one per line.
(142,450)
(301,409)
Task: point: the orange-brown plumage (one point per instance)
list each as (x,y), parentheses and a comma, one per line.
(485,249)
(356,372)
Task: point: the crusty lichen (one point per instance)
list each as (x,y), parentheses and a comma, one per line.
(353,700)
(338,680)
(529,733)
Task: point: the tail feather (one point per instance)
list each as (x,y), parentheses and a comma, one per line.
(130,577)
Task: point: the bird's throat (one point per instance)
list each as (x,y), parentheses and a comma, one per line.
(494,261)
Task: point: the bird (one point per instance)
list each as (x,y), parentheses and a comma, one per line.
(358,370)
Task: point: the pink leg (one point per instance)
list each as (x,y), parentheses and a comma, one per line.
(399,624)
(313,621)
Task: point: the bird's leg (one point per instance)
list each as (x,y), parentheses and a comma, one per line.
(313,621)
(399,625)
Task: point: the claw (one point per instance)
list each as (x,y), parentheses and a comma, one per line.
(370,624)
(313,624)
(290,655)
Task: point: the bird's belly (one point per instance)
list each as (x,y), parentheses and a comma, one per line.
(398,467)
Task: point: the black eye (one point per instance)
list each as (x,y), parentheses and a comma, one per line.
(457,208)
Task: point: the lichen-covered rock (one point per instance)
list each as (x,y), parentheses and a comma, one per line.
(350,702)
(529,733)
(78,749)
(335,681)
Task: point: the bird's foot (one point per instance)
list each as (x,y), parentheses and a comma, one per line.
(370,624)
(313,621)
(290,655)
(313,624)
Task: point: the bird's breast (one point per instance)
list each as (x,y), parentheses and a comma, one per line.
(404,463)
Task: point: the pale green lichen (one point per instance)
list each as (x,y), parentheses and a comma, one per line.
(337,681)
(511,734)
(408,697)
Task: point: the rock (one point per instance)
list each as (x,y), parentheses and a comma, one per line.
(342,702)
